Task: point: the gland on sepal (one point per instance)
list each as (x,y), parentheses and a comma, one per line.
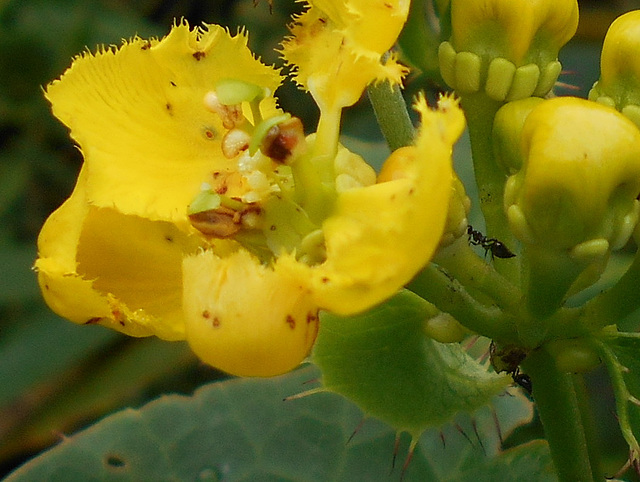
(506,49)
(619,83)
(575,197)
(501,80)
(507,131)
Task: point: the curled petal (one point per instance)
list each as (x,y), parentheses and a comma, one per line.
(137,113)
(245,318)
(99,266)
(380,236)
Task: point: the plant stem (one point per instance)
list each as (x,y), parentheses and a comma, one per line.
(562,417)
(449,296)
(472,271)
(480,111)
(392,115)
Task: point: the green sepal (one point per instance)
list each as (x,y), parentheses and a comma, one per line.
(382,361)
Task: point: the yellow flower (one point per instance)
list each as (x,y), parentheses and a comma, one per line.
(347,39)
(202,213)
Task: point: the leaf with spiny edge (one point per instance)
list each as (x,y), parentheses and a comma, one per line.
(240,430)
(620,353)
(382,361)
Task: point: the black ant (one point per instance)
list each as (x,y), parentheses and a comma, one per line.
(497,248)
(523,380)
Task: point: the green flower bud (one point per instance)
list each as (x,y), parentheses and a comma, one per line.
(507,49)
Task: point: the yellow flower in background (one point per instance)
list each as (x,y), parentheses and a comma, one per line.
(203,213)
(618,85)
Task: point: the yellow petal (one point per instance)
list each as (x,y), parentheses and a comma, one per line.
(336,48)
(380,236)
(96,265)
(137,113)
(244,318)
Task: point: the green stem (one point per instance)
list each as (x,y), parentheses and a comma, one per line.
(480,111)
(449,296)
(561,414)
(588,423)
(392,115)
(471,270)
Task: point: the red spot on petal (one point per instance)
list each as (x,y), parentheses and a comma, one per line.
(291,322)
(206,314)
(216,322)
(198,55)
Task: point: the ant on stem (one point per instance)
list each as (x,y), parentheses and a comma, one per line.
(497,248)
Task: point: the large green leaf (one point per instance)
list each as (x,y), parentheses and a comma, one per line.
(383,361)
(241,430)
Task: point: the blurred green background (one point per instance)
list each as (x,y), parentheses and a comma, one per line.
(56,377)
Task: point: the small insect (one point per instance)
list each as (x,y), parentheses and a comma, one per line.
(507,360)
(523,381)
(490,245)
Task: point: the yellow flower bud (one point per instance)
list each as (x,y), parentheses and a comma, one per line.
(575,197)
(508,49)
(619,84)
(580,177)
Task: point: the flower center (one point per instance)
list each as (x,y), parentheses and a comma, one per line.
(271,201)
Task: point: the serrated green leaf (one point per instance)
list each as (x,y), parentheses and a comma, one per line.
(241,430)
(620,352)
(383,362)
